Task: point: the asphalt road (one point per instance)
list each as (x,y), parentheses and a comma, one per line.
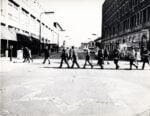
(36,89)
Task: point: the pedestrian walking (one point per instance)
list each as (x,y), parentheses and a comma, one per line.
(116,56)
(74,58)
(87,59)
(46,55)
(100,58)
(67,53)
(26,54)
(132,58)
(30,54)
(137,56)
(64,58)
(70,54)
(145,57)
(106,55)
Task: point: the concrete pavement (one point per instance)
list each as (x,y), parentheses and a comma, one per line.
(36,89)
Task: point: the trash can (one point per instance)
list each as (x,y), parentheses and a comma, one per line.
(6,53)
(20,54)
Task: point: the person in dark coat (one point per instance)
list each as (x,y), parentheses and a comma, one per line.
(116,55)
(70,54)
(74,58)
(87,59)
(132,56)
(64,58)
(100,58)
(46,55)
(106,55)
(30,55)
(145,57)
(26,54)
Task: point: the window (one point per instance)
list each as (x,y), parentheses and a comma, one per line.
(13,10)
(132,22)
(141,17)
(144,16)
(149,13)
(32,24)
(138,18)
(25,12)
(24,18)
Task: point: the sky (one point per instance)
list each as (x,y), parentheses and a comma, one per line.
(80,18)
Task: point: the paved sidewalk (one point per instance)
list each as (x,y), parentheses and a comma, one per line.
(36,89)
(124,65)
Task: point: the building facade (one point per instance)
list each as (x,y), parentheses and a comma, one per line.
(20,24)
(126,22)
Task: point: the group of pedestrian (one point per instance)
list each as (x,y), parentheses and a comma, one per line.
(102,55)
(135,57)
(69,55)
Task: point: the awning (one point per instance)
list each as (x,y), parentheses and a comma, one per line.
(23,38)
(8,33)
(34,36)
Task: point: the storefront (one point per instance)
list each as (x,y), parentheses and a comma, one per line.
(137,40)
(8,41)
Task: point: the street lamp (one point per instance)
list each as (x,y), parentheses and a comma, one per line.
(51,12)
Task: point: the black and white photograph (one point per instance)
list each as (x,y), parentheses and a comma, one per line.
(74,57)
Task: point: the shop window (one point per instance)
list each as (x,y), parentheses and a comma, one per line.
(141,17)
(138,18)
(144,16)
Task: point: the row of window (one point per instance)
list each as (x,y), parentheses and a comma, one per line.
(140,18)
(137,19)
(120,9)
(17,14)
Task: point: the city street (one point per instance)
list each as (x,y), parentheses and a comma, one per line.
(36,89)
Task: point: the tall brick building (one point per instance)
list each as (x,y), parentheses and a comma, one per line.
(126,22)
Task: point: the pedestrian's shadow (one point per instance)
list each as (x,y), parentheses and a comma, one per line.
(50,67)
(127,69)
(57,62)
(18,62)
(61,68)
(39,64)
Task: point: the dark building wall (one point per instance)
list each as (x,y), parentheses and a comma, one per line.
(121,17)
